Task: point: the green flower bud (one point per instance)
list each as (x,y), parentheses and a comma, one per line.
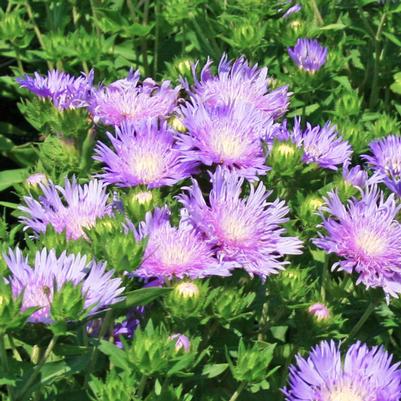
(177,124)
(139,201)
(116,386)
(285,158)
(252,364)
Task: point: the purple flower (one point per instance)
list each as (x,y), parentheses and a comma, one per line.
(319,311)
(128,326)
(64,90)
(308,55)
(237,81)
(49,274)
(144,155)
(292,10)
(35,179)
(127,101)
(364,374)
(181,342)
(367,237)
(69,209)
(245,231)
(321,145)
(175,252)
(226,135)
(386,161)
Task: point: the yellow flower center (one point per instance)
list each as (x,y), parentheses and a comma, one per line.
(370,243)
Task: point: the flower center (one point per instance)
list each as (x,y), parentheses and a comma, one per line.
(345,394)
(312,150)
(147,166)
(226,145)
(38,295)
(370,243)
(234,229)
(392,166)
(175,254)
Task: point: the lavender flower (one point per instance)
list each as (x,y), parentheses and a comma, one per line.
(237,81)
(367,237)
(146,155)
(181,342)
(365,374)
(226,135)
(49,274)
(386,161)
(64,90)
(246,232)
(37,178)
(127,327)
(175,252)
(319,311)
(127,101)
(321,145)
(77,208)
(292,10)
(308,55)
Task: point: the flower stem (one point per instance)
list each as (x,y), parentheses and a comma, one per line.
(4,362)
(238,391)
(36,370)
(141,386)
(371,307)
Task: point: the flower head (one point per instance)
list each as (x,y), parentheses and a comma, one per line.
(308,55)
(37,283)
(69,209)
(144,155)
(175,252)
(319,311)
(367,237)
(245,231)
(321,145)
(64,90)
(364,374)
(127,101)
(237,81)
(386,161)
(226,135)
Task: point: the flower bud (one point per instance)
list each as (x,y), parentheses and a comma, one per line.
(187,290)
(177,124)
(319,311)
(182,342)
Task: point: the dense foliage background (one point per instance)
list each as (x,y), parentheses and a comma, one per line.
(244,333)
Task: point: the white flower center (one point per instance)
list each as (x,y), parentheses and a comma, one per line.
(147,166)
(175,254)
(234,229)
(345,394)
(370,243)
(313,150)
(226,145)
(393,166)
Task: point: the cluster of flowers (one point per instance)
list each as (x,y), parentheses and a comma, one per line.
(228,123)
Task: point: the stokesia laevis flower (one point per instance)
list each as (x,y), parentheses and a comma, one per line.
(144,155)
(49,273)
(245,231)
(226,135)
(37,178)
(367,237)
(237,81)
(321,145)
(181,342)
(69,209)
(308,55)
(64,90)
(175,252)
(292,10)
(319,311)
(127,101)
(386,161)
(365,374)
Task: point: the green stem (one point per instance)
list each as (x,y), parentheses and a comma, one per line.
(107,321)
(371,307)
(375,79)
(4,362)
(36,29)
(141,387)
(36,370)
(238,391)
(316,11)
(144,40)
(156,44)
(18,59)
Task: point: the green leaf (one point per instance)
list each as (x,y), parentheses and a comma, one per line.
(333,27)
(215,370)
(117,356)
(142,296)
(396,87)
(9,178)
(392,38)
